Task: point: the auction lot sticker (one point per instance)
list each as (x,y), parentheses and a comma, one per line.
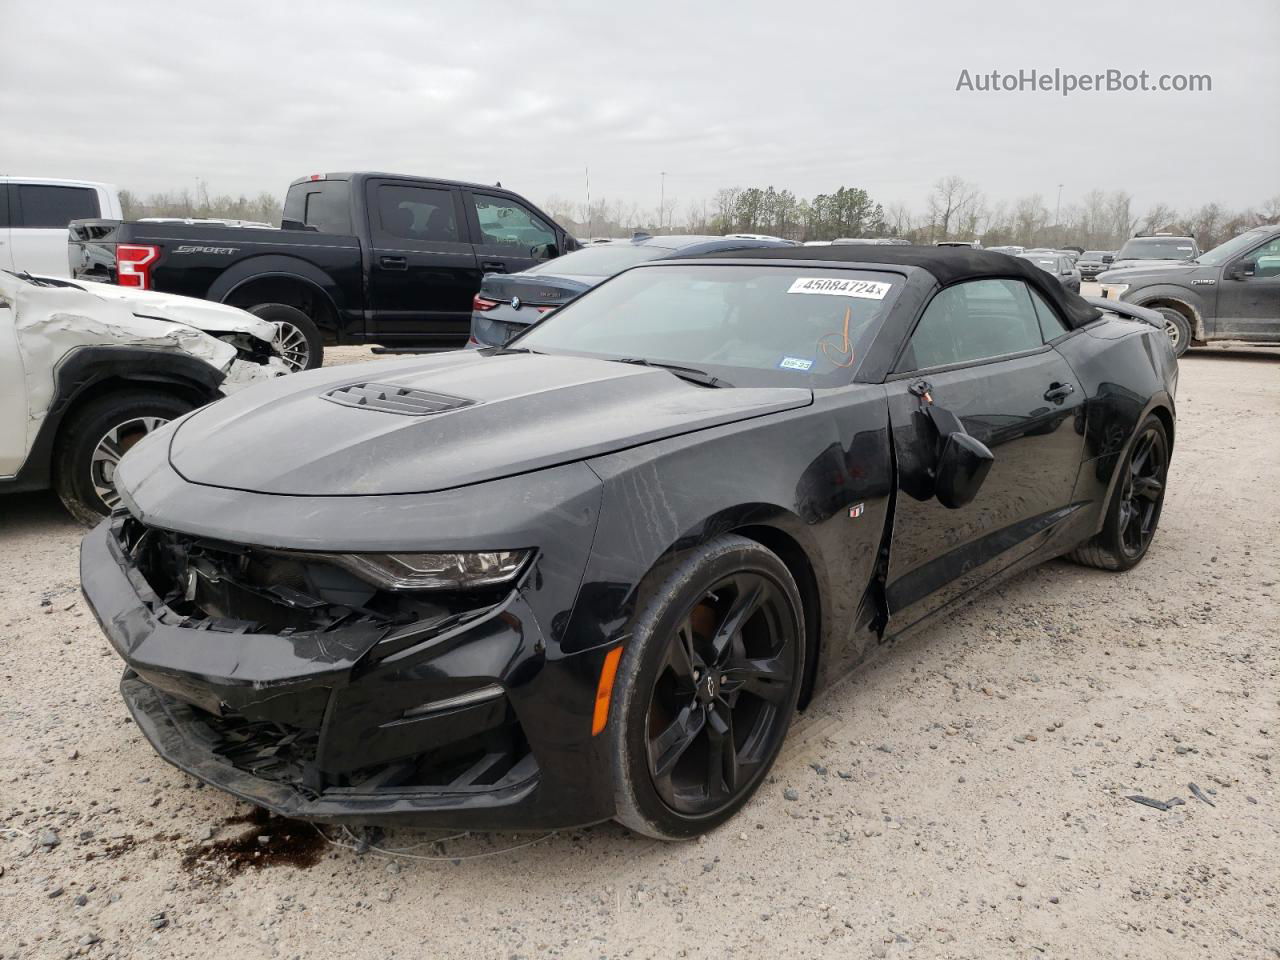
(866,289)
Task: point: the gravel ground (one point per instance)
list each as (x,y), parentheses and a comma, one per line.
(964,796)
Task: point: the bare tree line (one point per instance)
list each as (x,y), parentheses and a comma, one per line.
(955,209)
(264,208)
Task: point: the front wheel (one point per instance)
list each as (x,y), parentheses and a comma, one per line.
(297,341)
(706,689)
(91,444)
(1134,510)
(1177,329)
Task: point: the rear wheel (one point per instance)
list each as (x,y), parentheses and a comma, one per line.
(706,689)
(1134,511)
(298,339)
(91,444)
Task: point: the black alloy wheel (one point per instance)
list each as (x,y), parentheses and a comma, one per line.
(709,689)
(1142,491)
(1133,512)
(727,670)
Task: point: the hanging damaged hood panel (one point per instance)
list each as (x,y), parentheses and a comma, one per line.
(433,423)
(201,314)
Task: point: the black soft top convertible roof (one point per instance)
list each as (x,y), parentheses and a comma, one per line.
(947,264)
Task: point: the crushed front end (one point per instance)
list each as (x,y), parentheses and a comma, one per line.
(284,678)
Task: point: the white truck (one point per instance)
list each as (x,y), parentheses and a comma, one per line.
(34,213)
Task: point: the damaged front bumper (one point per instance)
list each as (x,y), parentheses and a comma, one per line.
(463,722)
(245,373)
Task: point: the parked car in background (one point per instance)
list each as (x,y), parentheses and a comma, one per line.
(538,588)
(1011,250)
(362,258)
(1232,292)
(1093,262)
(1057,264)
(1155,250)
(34,213)
(508,303)
(87,370)
(973,244)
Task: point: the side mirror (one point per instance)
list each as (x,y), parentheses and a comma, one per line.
(962,467)
(544,251)
(1241,270)
(1108,258)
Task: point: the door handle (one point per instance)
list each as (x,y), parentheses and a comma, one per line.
(1058,392)
(394,263)
(494,266)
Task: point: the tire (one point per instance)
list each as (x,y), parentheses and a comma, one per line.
(96,436)
(1178,329)
(298,338)
(696,712)
(1134,511)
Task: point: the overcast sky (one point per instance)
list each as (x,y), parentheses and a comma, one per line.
(807,96)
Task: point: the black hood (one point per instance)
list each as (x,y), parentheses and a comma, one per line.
(428,424)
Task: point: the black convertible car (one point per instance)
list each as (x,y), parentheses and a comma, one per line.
(594,573)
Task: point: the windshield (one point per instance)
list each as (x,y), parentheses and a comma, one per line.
(1157,248)
(749,325)
(1233,248)
(1095,254)
(600,261)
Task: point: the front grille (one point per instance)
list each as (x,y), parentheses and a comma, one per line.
(392,399)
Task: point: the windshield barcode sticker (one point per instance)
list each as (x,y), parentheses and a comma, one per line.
(866,289)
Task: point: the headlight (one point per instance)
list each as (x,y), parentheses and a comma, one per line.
(434,571)
(1114,291)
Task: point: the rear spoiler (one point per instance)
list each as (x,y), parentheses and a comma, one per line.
(1128,310)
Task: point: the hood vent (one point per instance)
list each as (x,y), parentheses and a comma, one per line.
(389,398)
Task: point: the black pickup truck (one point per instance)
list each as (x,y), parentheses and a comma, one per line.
(359,258)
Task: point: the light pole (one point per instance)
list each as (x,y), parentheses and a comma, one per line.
(1058,206)
(662,197)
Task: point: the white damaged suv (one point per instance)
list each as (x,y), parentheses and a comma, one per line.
(87,370)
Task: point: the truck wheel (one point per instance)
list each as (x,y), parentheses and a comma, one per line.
(1178,329)
(92,442)
(298,340)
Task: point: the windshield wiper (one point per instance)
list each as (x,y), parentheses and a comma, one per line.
(692,374)
(502,350)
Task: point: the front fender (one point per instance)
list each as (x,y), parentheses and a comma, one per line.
(824,485)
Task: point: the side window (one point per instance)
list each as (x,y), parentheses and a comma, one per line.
(424,214)
(328,208)
(972,321)
(4,205)
(1265,260)
(55,207)
(1051,327)
(504,223)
